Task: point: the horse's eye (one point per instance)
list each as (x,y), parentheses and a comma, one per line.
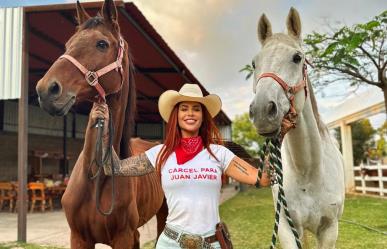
(297,58)
(253,64)
(102,45)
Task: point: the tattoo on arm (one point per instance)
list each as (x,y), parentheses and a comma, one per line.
(241,168)
(133,166)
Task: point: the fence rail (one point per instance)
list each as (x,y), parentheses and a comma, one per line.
(371,179)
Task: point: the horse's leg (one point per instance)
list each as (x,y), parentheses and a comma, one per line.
(128,238)
(125,240)
(285,234)
(327,233)
(136,239)
(78,243)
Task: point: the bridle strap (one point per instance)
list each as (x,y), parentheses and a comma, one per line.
(92,77)
(288,89)
(289,120)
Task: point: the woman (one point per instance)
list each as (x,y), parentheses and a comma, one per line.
(190,164)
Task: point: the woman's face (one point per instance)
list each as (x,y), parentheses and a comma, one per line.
(190,118)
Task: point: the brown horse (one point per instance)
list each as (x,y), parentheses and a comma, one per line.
(95,45)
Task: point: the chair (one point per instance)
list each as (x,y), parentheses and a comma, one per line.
(7,194)
(38,193)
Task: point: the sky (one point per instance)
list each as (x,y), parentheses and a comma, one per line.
(216,38)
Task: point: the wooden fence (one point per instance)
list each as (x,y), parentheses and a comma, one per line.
(371,178)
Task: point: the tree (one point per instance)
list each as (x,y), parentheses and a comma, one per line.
(362,139)
(356,54)
(380,146)
(245,134)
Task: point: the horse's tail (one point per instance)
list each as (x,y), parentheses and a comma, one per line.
(125,150)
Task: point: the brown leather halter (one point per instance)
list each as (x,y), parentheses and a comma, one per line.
(289,120)
(91,77)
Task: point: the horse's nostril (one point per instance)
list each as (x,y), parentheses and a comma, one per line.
(54,88)
(272,108)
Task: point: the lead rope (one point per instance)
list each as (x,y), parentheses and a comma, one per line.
(100,160)
(270,157)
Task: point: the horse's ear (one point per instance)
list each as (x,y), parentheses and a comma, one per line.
(293,22)
(109,11)
(264,29)
(82,15)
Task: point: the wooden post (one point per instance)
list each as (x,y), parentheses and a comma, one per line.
(380,176)
(346,142)
(363,185)
(23,139)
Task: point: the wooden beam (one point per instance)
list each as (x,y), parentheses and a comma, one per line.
(154,44)
(154,81)
(365,113)
(47,38)
(38,71)
(69,17)
(68,6)
(41,59)
(144,70)
(23,139)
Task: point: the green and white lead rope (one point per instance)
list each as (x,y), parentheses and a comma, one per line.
(271,151)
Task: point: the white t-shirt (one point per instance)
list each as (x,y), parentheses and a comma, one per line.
(192,189)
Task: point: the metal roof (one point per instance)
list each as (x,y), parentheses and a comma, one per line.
(158,67)
(11,26)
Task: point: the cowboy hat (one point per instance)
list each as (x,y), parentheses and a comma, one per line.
(188,92)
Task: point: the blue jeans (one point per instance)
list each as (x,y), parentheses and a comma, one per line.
(165,242)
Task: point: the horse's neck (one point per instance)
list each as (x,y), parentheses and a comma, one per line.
(302,145)
(118,113)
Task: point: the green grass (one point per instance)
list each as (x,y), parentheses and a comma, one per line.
(250,218)
(15,245)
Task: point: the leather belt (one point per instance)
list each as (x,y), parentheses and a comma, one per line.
(190,241)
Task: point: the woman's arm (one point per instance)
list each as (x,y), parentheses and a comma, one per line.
(243,172)
(133,166)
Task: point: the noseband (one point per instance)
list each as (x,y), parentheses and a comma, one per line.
(91,77)
(290,119)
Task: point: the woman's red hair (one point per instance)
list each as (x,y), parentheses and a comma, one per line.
(208,132)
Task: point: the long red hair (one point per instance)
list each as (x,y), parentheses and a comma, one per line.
(208,131)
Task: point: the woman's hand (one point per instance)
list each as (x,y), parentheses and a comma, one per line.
(265,179)
(99,111)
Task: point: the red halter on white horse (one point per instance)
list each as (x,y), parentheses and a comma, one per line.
(92,77)
(289,120)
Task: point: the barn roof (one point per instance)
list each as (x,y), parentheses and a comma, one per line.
(158,67)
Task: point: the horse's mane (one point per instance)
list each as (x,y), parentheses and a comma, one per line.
(322,128)
(129,112)
(92,22)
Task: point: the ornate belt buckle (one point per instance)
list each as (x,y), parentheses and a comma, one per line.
(91,78)
(188,241)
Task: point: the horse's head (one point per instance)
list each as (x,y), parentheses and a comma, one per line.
(279,63)
(95,45)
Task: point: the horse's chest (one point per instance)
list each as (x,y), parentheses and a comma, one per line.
(309,206)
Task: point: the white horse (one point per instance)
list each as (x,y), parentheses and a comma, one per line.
(312,164)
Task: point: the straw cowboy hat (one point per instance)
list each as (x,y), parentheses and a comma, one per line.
(188,92)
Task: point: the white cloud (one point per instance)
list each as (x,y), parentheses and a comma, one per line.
(216,38)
